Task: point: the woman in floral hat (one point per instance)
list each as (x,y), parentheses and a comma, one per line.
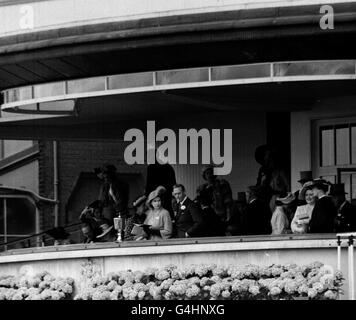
(158,218)
(303,214)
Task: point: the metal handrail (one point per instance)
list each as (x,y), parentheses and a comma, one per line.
(4,244)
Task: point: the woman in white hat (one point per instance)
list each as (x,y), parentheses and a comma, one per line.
(303,214)
(158,218)
(280,220)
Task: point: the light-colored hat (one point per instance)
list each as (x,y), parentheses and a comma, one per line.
(289,198)
(139,201)
(306,186)
(105,228)
(155,193)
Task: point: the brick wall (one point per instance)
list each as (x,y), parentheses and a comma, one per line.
(73,159)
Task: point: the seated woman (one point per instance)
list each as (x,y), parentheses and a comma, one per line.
(133,231)
(303,214)
(280,220)
(158,218)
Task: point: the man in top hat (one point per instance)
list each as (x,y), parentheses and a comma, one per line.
(219,191)
(114,193)
(345,220)
(257,215)
(324,212)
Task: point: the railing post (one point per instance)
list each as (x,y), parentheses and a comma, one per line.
(338,253)
(351,268)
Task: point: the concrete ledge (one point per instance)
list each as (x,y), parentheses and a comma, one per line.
(156,248)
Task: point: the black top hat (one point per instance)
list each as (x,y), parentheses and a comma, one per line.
(337,189)
(305,176)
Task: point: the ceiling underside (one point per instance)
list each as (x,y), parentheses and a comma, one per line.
(110,116)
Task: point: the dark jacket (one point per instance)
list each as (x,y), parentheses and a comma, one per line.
(213,226)
(323,216)
(188,218)
(345,220)
(257,218)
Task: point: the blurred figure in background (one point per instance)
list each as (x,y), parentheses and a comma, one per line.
(257,216)
(219,191)
(345,220)
(281,215)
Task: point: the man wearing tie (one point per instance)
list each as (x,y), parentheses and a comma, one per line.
(188,220)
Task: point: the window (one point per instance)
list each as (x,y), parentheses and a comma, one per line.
(335,150)
(18,219)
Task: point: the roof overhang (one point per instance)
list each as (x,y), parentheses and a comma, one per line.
(186,40)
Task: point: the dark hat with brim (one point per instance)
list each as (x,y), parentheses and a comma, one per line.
(205,169)
(337,189)
(289,198)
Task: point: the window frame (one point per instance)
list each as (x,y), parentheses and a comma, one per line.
(5,235)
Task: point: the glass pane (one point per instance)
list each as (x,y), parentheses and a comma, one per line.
(353,144)
(327,147)
(19,244)
(64,105)
(342,146)
(346,179)
(240,72)
(21,216)
(131,80)
(49,90)
(182,76)
(12,147)
(353,186)
(86,85)
(312,68)
(1,216)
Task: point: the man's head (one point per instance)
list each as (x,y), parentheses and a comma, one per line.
(320,187)
(179,192)
(208,173)
(88,232)
(338,194)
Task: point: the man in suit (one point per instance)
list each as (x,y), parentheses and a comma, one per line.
(345,220)
(188,220)
(257,214)
(324,212)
